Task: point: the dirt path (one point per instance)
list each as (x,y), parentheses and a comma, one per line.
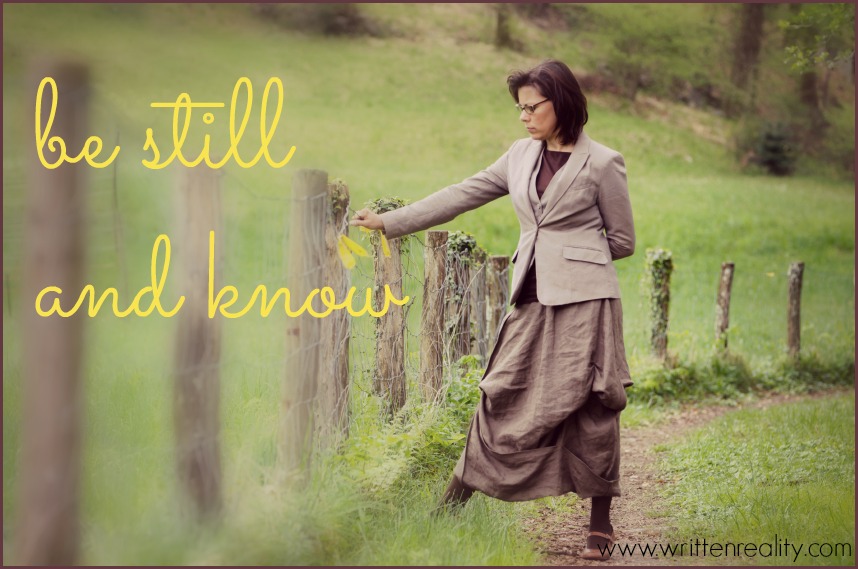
(639,516)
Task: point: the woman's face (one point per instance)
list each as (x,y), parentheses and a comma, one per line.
(542,124)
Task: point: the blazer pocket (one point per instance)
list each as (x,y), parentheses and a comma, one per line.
(579,187)
(584,254)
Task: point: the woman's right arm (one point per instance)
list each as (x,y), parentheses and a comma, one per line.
(444,205)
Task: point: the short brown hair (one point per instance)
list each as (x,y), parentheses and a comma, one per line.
(557,83)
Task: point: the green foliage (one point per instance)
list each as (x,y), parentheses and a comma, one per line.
(382,205)
(443,441)
(838,146)
(788,471)
(385,204)
(661,52)
(338,195)
(325,19)
(728,376)
(723,377)
(377,457)
(422,442)
(807,374)
(462,246)
(819,34)
(463,393)
(633,61)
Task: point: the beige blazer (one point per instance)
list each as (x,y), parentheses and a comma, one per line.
(574,233)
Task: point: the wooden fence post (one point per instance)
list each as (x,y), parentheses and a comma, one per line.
(478,302)
(796,272)
(389,378)
(498,294)
(48,531)
(332,418)
(434,293)
(459,249)
(660,266)
(722,305)
(196,383)
(303,334)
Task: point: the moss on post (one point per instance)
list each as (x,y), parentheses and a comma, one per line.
(659,266)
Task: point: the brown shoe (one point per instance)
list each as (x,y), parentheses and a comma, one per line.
(597,554)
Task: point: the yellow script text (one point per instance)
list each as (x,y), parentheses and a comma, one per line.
(56,143)
(182,111)
(220,302)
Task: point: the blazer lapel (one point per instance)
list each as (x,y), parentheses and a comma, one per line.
(528,164)
(564,178)
(532,194)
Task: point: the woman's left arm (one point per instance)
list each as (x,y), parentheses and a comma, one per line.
(616,208)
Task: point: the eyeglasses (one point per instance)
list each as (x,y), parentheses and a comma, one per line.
(530,109)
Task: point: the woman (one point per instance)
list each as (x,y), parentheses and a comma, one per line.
(548,418)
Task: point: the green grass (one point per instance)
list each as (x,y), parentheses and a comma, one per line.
(786,471)
(394,116)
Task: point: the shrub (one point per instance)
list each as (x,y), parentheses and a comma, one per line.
(767,145)
(439,444)
(728,376)
(775,150)
(325,19)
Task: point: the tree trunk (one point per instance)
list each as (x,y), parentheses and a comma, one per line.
(809,95)
(503,37)
(749,38)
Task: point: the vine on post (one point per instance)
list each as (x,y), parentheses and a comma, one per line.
(659,266)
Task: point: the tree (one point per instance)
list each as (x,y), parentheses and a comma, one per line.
(746,51)
(816,35)
(503,36)
(820,34)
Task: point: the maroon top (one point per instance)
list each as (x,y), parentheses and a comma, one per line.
(552,161)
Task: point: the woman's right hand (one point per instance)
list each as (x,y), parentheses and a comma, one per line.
(368,219)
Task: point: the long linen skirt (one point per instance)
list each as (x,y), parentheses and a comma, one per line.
(548,418)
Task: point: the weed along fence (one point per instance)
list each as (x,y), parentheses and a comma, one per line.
(411,315)
(464,295)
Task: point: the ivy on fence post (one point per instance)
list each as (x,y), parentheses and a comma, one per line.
(659,266)
(461,247)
